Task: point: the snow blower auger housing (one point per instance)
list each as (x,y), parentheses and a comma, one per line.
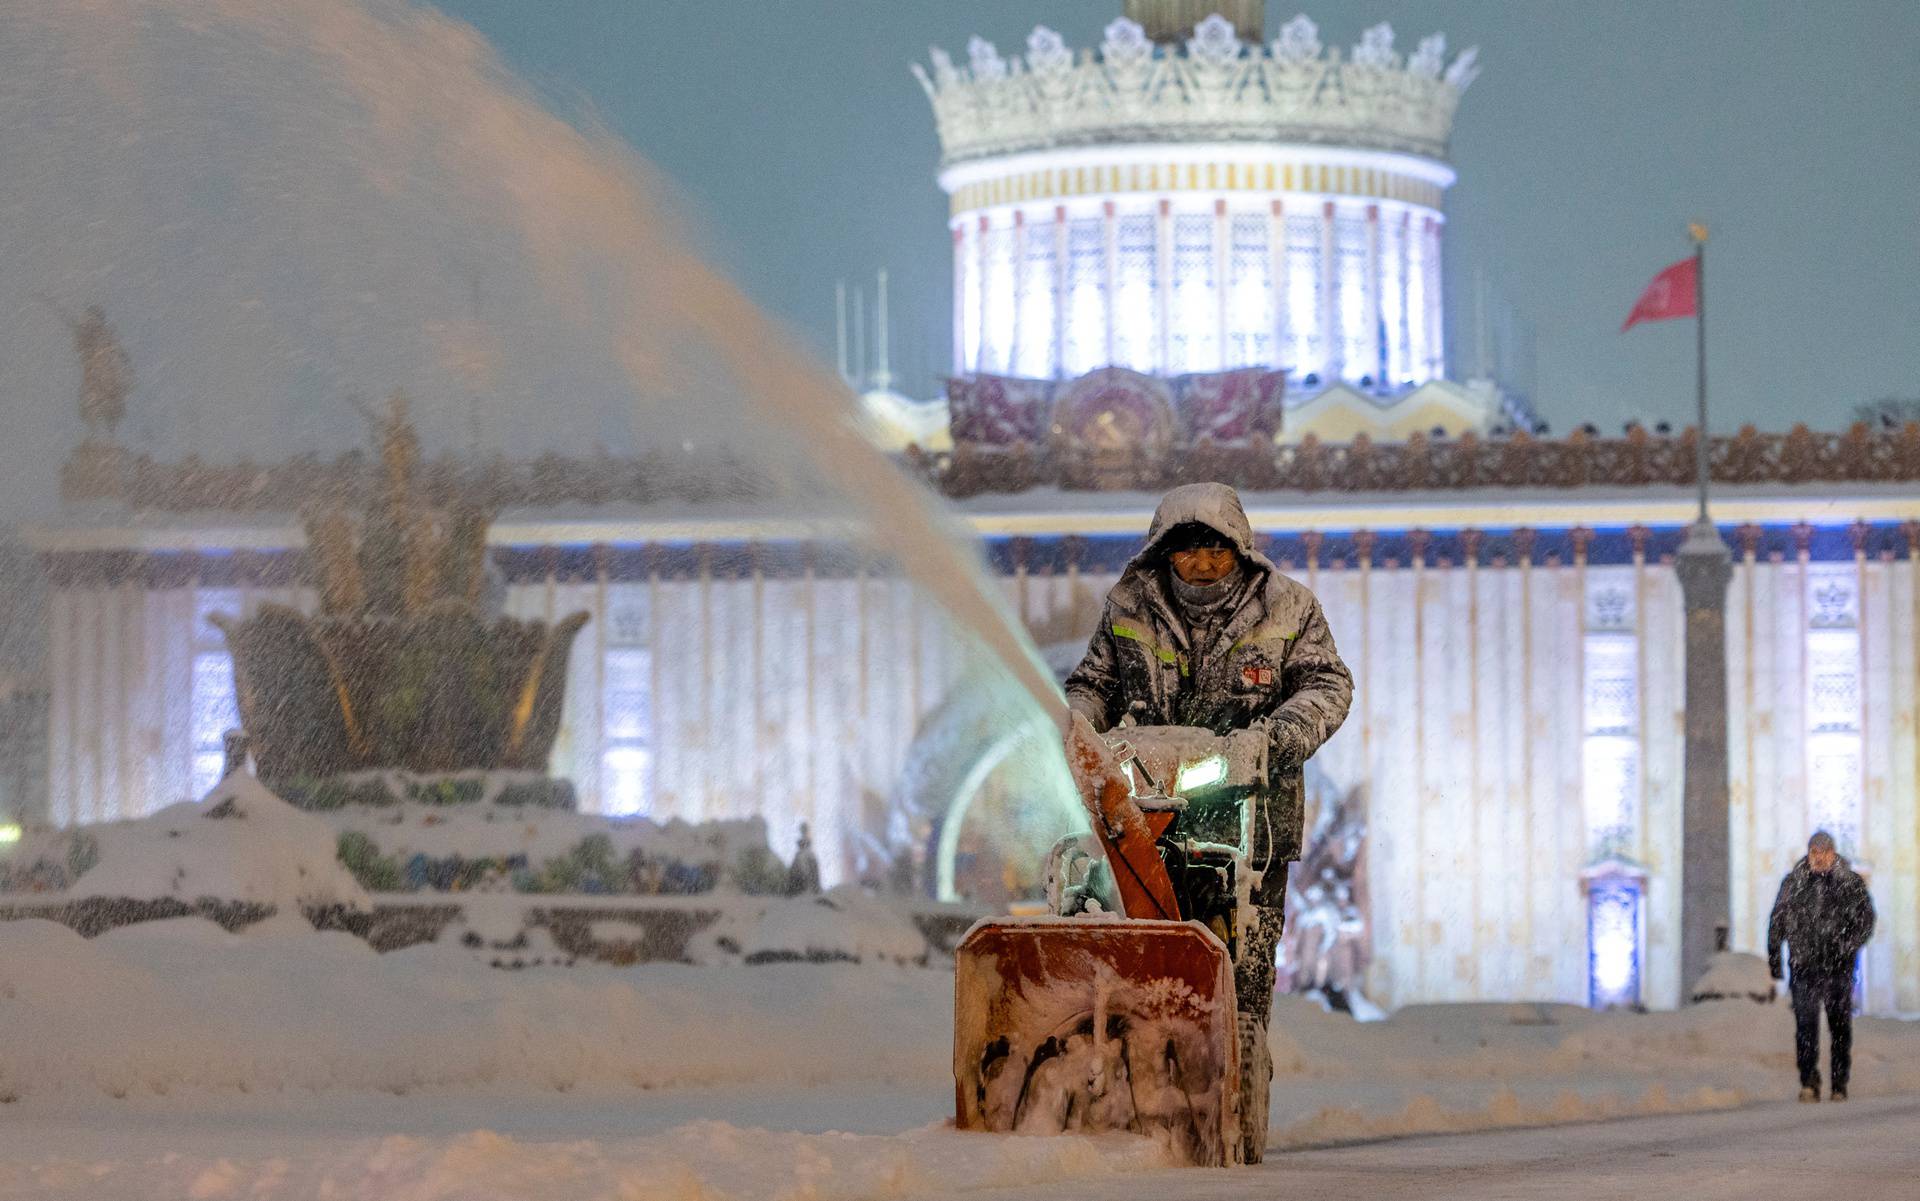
(1118,1012)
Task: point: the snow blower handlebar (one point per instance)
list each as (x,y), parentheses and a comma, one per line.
(1126,834)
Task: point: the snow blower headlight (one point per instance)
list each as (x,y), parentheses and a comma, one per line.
(1204,774)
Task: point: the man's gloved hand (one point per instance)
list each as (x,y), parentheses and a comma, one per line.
(1249,746)
(1088,708)
(1286,745)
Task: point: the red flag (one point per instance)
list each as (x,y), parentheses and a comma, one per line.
(1675,292)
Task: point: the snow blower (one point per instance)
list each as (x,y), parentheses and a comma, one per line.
(1117,1012)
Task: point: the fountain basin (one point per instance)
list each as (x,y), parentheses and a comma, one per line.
(437,692)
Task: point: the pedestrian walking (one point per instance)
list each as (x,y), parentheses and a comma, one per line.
(1824,915)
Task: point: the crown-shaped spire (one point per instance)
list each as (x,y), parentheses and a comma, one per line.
(1215,86)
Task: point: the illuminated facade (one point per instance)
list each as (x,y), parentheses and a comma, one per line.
(1508,604)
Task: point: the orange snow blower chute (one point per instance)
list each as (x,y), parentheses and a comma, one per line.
(1118,1012)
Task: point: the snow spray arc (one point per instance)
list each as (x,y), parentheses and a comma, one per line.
(314,198)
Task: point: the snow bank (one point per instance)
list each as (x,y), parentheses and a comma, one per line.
(1446,1068)
(183,1018)
(1734,975)
(410,846)
(181,1006)
(845,924)
(702,1161)
(240,843)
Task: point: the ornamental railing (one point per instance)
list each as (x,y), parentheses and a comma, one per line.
(103,474)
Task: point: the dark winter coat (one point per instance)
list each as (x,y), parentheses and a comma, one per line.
(1823,917)
(1271,665)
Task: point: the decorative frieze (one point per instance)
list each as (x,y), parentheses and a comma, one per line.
(1424,464)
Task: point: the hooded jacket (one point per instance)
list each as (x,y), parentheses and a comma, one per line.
(1823,917)
(1270,664)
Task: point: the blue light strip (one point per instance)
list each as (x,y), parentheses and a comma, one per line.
(1042,554)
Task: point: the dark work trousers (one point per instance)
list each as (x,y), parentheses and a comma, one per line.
(1811,994)
(1253,974)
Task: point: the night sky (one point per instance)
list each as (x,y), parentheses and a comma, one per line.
(1594,133)
(266,251)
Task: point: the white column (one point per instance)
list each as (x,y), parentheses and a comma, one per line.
(1451,635)
(85,718)
(177,612)
(597,636)
(986,293)
(62,809)
(1375,359)
(1765,693)
(1516,751)
(1436,305)
(110,705)
(1277,252)
(1568,906)
(1663,772)
(1790,725)
(1404,365)
(1019,298)
(1163,283)
(1899,890)
(1222,252)
(1061,292)
(960,364)
(1110,271)
(1883,841)
(1330,298)
(1394,825)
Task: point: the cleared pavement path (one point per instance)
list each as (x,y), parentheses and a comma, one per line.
(1865,1150)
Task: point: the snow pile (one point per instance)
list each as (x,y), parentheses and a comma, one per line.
(241,843)
(484,830)
(845,924)
(177,1007)
(1439,1068)
(701,1161)
(482,846)
(423,1073)
(1736,976)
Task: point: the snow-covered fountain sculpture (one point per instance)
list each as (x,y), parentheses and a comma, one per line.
(401,675)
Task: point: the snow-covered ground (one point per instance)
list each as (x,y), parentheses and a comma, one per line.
(173,1059)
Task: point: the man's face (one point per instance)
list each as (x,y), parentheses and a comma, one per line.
(1821,861)
(1204,564)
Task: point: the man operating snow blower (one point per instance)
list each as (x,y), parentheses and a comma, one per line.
(1202,630)
(1143,1005)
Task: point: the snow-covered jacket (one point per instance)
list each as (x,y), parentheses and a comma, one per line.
(1271,666)
(1823,917)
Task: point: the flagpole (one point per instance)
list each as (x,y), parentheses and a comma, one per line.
(1701,451)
